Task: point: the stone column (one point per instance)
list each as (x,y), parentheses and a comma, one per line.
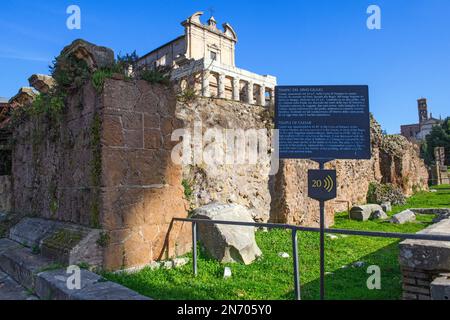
(262,95)
(250,96)
(205,84)
(221,87)
(236,89)
(272,96)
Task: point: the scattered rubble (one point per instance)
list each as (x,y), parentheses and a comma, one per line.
(387,206)
(223,242)
(227,273)
(364,212)
(403,217)
(379,215)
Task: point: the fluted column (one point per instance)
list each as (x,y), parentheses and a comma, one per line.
(250,96)
(236,89)
(222,86)
(205,84)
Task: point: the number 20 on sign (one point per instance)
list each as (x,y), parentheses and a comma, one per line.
(322,184)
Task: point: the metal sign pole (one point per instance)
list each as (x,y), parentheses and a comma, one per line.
(322,243)
(316,112)
(322,250)
(322,239)
(322,186)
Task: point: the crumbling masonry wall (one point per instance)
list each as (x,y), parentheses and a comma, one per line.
(240,183)
(283,198)
(394,160)
(105,163)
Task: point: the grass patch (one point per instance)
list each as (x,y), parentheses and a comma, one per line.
(271,277)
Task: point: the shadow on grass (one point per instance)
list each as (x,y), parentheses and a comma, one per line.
(350,283)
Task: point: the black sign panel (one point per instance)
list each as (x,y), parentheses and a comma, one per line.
(322,184)
(323,122)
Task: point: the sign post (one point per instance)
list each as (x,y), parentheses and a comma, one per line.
(323,123)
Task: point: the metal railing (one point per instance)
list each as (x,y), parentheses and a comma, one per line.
(295,229)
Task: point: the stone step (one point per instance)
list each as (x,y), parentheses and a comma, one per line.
(52,285)
(21,264)
(49,281)
(62,242)
(11,290)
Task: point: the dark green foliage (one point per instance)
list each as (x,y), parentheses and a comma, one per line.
(439,137)
(188,95)
(96,169)
(35,250)
(103,240)
(69,73)
(129,59)
(84,265)
(187,189)
(99,77)
(154,76)
(120,67)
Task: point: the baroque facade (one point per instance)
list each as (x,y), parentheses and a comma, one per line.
(204,59)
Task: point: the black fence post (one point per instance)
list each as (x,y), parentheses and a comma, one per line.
(194,247)
(296,267)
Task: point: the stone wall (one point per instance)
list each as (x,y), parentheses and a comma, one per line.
(244,184)
(142,190)
(283,198)
(394,160)
(5,194)
(105,163)
(401,164)
(422,262)
(52,163)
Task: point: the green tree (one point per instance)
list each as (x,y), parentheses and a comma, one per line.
(438,137)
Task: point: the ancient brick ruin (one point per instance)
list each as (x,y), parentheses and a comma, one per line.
(425,265)
(105,163)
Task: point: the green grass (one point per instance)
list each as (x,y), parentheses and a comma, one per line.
(271,277)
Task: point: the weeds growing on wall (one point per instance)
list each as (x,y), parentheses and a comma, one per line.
(69,73)
(188,95)
(99,77)
(187,186)
(103,240)
(96,169)
(154,76)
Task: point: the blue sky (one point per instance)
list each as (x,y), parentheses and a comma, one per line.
(302,42)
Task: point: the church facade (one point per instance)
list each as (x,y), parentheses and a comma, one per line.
(204,59)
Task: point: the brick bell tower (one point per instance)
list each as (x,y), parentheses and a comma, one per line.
(423,109)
